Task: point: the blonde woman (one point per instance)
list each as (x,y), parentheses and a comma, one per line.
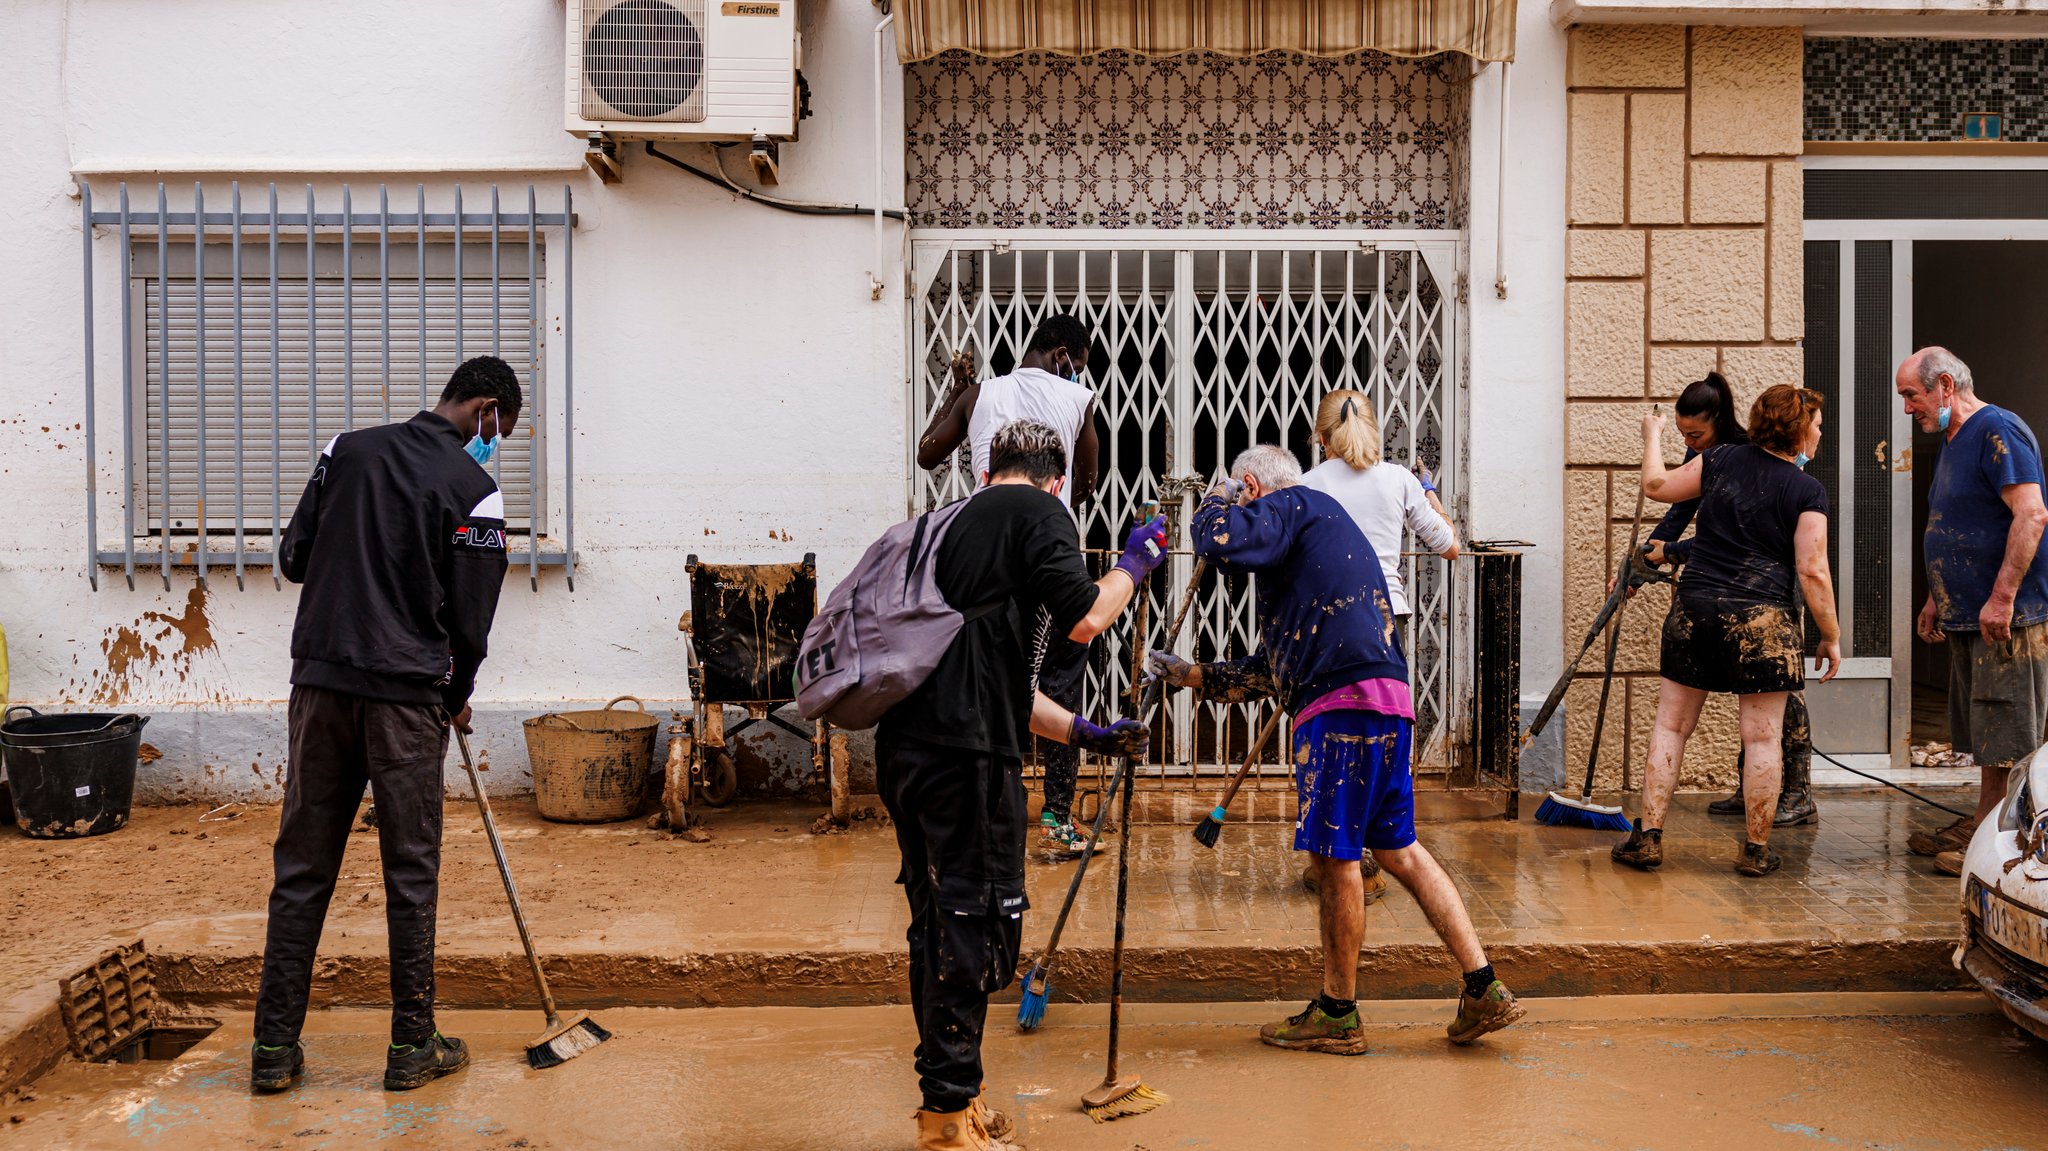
(1381,498)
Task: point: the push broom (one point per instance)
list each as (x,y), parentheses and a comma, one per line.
(1580,810)
(1037,984)
(563,1040)
(1118,1096)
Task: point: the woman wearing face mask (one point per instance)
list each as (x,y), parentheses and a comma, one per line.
(1706,418)
(1384,500)
(1733,627)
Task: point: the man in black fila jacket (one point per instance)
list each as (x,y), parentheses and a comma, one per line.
(399,540)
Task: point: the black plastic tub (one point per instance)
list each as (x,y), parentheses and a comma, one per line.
(71,775)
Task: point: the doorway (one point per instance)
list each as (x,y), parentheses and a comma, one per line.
(1986,301)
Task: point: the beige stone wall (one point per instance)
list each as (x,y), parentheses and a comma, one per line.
(1683,256)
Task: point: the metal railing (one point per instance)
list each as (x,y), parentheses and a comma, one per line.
(321,246)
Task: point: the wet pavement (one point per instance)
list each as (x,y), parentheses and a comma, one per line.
(1924,1072)
(763,912)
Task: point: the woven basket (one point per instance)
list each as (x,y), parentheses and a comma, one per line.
(591,766)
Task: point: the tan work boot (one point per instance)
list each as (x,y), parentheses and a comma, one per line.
(955,1131)
(1954,837)
(1949,863)
(996,1123)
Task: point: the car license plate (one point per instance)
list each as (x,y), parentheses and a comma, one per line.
(2020,930)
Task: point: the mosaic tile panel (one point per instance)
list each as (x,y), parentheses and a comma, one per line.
(1919,90)
(1196,141)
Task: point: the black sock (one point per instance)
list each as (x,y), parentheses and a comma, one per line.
(1476,982)
(1336,1008)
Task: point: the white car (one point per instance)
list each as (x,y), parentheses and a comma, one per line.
(2005,900)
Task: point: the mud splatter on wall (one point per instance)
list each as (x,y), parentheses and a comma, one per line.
(157,640)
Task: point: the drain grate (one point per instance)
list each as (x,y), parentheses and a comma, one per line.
(107,1005)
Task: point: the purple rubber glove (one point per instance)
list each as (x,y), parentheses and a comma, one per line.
(1125,737)
(1422,474)
(1144,550)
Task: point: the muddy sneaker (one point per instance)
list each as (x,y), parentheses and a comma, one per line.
(1728,805)
(1489,1012)
(1949,863)
(1312,1030)
(1758,859)
(1954,837)
(410,1065)
(1062,840)
(1643,849)
(274,1068)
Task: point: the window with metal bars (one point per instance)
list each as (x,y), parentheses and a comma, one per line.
(249,339)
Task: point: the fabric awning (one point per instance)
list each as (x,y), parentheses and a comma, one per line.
(1481,29)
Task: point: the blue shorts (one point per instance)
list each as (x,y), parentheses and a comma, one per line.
(1355,783)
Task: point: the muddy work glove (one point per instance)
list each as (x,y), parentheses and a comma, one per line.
(1144,550)
(1125,737)
(1167,668)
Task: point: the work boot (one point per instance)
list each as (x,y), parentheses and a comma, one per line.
(1949,863)
(1954,837)
(1795,808)
(1732,804)
(993,1121)
(954,1131)
(274,1068)
(1375,880)
(1758,859)
(410,1065)
(1489,1012)
(1311,1030)
(1643,849)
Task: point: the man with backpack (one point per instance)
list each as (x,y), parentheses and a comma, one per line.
(1046,387)
(950,757)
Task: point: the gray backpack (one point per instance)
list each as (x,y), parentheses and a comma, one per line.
(883,629)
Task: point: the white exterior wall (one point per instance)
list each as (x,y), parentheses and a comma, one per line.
(738,394)
(735,384)
(1517,368)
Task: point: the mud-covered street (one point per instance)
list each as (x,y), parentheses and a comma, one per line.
(1926,1072)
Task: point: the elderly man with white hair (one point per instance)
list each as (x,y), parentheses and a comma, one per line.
(1987,581)
(1329,649)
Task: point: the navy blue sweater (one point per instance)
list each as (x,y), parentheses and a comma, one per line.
(1324,618)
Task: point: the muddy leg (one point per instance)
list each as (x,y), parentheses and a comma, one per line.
(1678,712)
(1341,888)
(1763,727)
(1426,880)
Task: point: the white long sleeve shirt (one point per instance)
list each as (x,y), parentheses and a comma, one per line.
(1384,499)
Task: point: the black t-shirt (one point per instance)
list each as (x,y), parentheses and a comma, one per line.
(1750,503)
(1011,551)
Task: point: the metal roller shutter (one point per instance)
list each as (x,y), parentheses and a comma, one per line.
(374,365)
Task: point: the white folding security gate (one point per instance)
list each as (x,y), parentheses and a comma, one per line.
(1205,346)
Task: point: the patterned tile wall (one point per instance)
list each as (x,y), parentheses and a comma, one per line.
(1918,90)
(1194,141)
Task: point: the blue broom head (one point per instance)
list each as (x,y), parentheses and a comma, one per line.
(1580,811)
(1031,1008)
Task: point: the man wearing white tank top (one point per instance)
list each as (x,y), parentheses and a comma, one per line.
(1046,388)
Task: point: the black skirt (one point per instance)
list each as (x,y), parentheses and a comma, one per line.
(1742,647)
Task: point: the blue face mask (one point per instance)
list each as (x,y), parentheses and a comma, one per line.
(480,449)
(1073,374)
(1801,460)
(1941,419)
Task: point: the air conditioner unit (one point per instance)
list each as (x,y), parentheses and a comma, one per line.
(683,69)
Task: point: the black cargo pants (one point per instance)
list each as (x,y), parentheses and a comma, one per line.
(960,820)
(338,742)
